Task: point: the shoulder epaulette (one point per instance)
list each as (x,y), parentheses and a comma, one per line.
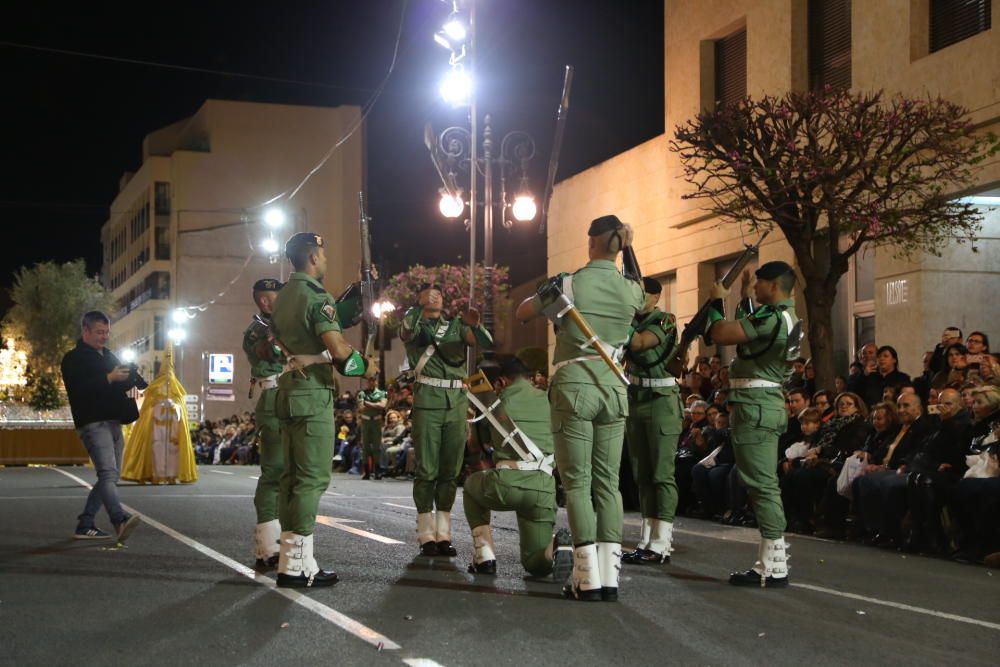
(316,288)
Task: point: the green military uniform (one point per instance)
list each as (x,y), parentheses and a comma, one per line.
(757,414)
(589,402)
(529,493)
(302,313)
(436,350)
(371,425)
(265,374)
(654,421)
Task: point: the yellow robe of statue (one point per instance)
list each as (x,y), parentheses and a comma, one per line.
(158,449)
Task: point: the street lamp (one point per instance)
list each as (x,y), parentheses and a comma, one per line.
(380,309)
(177,335)
(451,206)
(269,245)
(274,218)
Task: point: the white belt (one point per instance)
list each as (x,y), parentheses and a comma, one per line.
(439,383)
(652,382)
(566,362)
(269,382)
(750,383)
(545,465)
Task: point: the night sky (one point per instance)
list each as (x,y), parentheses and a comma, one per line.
(72,124)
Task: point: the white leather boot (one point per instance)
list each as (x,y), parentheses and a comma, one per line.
(661,541)
(266,544)
(442,533)
(609,560)
(635,556)
(297,567)
(484,559)
(585,583)
(771,568)
(425,533)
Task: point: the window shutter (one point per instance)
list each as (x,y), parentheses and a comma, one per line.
(955,20)
(829,43)
(731,68)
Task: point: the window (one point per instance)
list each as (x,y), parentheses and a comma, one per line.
(162,198)
(158,333)
(952,21)
(829,44)
(731,68)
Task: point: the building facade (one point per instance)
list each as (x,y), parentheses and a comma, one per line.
(184,232)
(717,50)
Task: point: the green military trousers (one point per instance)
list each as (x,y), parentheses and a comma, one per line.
(272,458)
(755,430)
(371,439)
(653,429)
(307,433)
(439,441)
(531,494)
(588,426)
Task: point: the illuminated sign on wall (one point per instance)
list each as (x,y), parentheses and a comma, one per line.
(220,368)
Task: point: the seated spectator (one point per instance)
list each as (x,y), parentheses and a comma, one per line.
(347,441)
(823,400)
(691,448)
(967,391)
(809,377)
(796,401)
(808,423)
(933,471)
(938,362)
(391,439)
(839,385)
(796,380)
(880,494)
(710,475)
(884,372)
(957,369)
(976,502)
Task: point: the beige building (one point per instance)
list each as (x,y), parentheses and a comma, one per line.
(184,232)
(717,49)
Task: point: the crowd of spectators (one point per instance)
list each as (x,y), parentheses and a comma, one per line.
(883,457)
(227,441)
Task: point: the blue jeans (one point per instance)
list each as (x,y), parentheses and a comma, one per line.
(104,443)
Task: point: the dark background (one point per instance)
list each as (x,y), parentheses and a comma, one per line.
(72,124)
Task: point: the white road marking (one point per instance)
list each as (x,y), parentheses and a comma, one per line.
(221,472)
(421,662)
(254,476)
(150,497)
(346,623)
(898,605)
(335,523)
(405,507)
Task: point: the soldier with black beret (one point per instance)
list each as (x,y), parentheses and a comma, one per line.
(766,339)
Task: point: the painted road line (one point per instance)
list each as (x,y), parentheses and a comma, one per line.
(421,662)
(335,523)
(221,472)
(254,476)
(346,623)
(405,507)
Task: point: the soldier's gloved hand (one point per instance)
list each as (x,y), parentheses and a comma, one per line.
(549,290)
(470,317)
(719,291)
(372,370)
(746,284)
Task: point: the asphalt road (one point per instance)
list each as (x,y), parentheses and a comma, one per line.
(180,592)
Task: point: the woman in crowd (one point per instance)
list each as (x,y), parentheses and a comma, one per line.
(957,368)
(839,437)
(391,432)
(710,475)
(883,372)
(347,439)
(691,448)
(976,502)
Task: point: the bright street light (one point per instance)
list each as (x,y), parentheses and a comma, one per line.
(274,218)
(127,355)
(455,29)
(177,335)
(380,308)
(269,245)
(180,316)
(451,206)
(524,208)
(456,89)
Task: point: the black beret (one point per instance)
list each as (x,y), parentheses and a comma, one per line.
(773,270)
(651,285)
(604,224)
(427,286)
(267,285)
(303,239)
(511,366)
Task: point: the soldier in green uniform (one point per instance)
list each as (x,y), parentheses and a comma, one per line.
(521,482)
(435,350)
(589,406)
(266,364)
(766,338)
(654,425)
(306,326)
(372,402)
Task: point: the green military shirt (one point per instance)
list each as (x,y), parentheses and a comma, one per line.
(608,301)
(527,407)
(447,362)
(303,312)
(374,396)
(768,333)
(260,368)
(652,362)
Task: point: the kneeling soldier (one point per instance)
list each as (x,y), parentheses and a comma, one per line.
(522,481)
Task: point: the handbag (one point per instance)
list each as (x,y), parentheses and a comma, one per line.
(853,468)
(709,461)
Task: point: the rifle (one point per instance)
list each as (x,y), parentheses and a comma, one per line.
(630,265)
(367,283)
(696,327)
(293,364)
(556,148)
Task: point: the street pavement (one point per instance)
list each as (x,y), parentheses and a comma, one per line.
(180,592)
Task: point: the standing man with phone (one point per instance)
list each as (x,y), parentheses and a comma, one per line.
(96,385)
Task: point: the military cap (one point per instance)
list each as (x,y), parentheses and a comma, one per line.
(511,366)
(604,224)
(773,270)
(267,285)
(303,239)
(427,286)
(651,285)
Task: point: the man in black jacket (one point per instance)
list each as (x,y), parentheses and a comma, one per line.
(97,384)
(881,493)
